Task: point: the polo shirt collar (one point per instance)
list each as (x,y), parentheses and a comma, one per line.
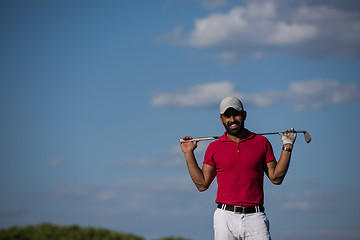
(248,135)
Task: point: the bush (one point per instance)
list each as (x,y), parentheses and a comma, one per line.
(48,231)
(173,238)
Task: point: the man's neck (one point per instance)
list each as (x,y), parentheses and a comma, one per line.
(238,137)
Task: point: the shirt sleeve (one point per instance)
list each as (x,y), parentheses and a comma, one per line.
(269,152)
(208,159)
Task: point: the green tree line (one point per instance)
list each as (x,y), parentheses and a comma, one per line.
(48,231)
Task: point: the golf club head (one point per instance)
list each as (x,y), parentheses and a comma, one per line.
(307,137)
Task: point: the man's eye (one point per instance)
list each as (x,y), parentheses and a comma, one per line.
(228,115)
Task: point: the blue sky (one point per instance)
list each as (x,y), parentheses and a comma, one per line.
(94,96)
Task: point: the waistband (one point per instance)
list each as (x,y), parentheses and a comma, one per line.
(239,209)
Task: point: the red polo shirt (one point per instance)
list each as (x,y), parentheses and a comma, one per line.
(240,168)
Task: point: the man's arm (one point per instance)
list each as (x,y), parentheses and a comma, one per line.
(202,178)
(276,171)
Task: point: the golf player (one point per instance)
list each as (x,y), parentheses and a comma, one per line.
(239,159)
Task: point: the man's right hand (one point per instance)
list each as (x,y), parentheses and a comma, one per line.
(188,146)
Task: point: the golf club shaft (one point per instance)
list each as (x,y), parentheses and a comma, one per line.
(271,133)
(306,135)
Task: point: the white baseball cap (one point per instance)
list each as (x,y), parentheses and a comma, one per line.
(230,102)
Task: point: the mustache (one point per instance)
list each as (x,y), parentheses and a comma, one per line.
(234,122)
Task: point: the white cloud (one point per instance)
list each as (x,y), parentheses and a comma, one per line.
(64,191)
(134,195)
(313,94)
(105,195)
(228,58)
(217,28)
(348,234)
(269,27)
(197,96)
(283,33)
(56,162)
(168,162)
(9,211)
(334,234)
(173,158)
(128,205)
(296,205)
(320,93)
(212,4)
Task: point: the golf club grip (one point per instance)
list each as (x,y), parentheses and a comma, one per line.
(198,139)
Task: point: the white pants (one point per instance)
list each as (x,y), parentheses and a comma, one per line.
(237,226)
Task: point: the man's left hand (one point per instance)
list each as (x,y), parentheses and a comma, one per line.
(288,137)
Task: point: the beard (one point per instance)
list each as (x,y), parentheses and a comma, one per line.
(234,131)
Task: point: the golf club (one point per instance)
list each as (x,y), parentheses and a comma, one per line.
(306,136)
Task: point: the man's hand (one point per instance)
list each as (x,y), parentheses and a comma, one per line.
(288,137)
(188,146)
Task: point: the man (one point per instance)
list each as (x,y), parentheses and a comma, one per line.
(239,159)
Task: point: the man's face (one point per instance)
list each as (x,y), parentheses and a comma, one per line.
(233,121)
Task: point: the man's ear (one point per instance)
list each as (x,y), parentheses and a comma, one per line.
(245,115)
(221,119)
